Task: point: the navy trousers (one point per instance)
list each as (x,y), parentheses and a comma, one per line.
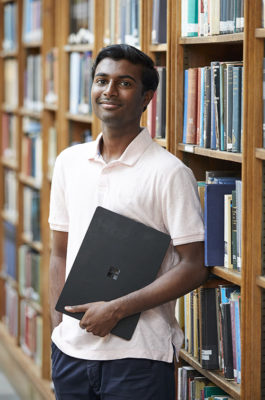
(125,379)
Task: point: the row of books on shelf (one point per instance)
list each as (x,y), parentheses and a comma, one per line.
(31,161)
(10,194)
(33,83)
(194,386)
(212,327)
(26,269)
(10,27)
(29,325)
(81,22)
(32,21)
(211,17)
(31,214)
(80,83)
(9,136)
(221,201)
(213,106)
(156,111)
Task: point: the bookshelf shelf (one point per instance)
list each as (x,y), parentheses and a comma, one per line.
(9,109)
(6,277)
(229,38)
(9,217)
(216,377)
(260,33)
(25,112)
(260,280)
(8,54)
(221,155)
(87,119)
(16,365)
(80,48)
(229,275)
(50,107)
(260,153)
(29,181)
(34,245)
(158,48)
(9,163)
(162,142)
(33,45)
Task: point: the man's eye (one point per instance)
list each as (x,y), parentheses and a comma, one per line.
(100,82)
(125,83)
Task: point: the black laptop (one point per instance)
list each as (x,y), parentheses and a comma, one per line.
(117,256)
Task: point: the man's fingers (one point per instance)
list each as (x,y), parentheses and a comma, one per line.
(79,308)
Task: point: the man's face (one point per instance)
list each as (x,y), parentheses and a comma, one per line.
(117,93)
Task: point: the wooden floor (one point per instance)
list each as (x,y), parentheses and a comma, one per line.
(20,371)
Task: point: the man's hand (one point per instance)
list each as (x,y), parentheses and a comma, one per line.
(99,318)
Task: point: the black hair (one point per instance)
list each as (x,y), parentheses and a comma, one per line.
(150,77)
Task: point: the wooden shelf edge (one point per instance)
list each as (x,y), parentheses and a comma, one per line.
(9,163)
(8,53)
(32,45)
(162,141)
(25,112)
(260,33)
(221,155)
(35,245)
(9,218)
(232,388)
(158,47)
(79,118)
(260,281)
(29,181)
(50,107)
(21,363)
(260,153)
(80,48)
(228,274)
(233,37)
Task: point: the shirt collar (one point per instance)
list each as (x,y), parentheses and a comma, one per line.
(131,154)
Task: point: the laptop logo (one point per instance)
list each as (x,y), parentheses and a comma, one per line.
(113,273)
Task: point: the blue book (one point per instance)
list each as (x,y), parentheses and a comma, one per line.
(236,119)
(214,222)
(192,18)
(215,105)
(202,109)
(186,78)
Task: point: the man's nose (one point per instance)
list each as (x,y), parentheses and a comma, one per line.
(110,89)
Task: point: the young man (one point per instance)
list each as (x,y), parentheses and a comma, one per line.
(128,173)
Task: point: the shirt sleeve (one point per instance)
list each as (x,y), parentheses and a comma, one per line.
(58,217)
(181,207)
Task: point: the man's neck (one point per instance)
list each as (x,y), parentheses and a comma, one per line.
(114,143)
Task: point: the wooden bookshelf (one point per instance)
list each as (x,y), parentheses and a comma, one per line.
(177,54)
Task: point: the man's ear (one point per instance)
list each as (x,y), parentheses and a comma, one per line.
(148,95)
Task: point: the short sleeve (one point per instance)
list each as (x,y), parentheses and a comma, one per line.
(181,206)
(58,217)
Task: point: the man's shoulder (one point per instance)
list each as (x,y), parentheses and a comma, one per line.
(78,150)
(164,159)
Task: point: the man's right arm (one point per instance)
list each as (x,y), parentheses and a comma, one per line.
(57,273)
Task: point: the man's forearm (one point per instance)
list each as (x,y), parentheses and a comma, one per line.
(170,286)
(57,279)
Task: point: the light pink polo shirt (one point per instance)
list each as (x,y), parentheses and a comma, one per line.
(148,184)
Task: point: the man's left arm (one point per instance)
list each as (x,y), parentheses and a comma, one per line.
(188,274)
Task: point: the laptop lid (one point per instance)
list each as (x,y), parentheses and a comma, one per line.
(117,256)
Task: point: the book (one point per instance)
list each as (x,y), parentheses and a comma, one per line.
(214,222)
(215,105)
(191,114)
(189,18)
(207,108)
(228,257)
(236,123)
(208,328)
(10,235)
(161,104)
(159,22)
(234,229)
(10,27)
(227,341)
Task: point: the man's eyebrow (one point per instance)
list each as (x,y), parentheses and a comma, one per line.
(120,76)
